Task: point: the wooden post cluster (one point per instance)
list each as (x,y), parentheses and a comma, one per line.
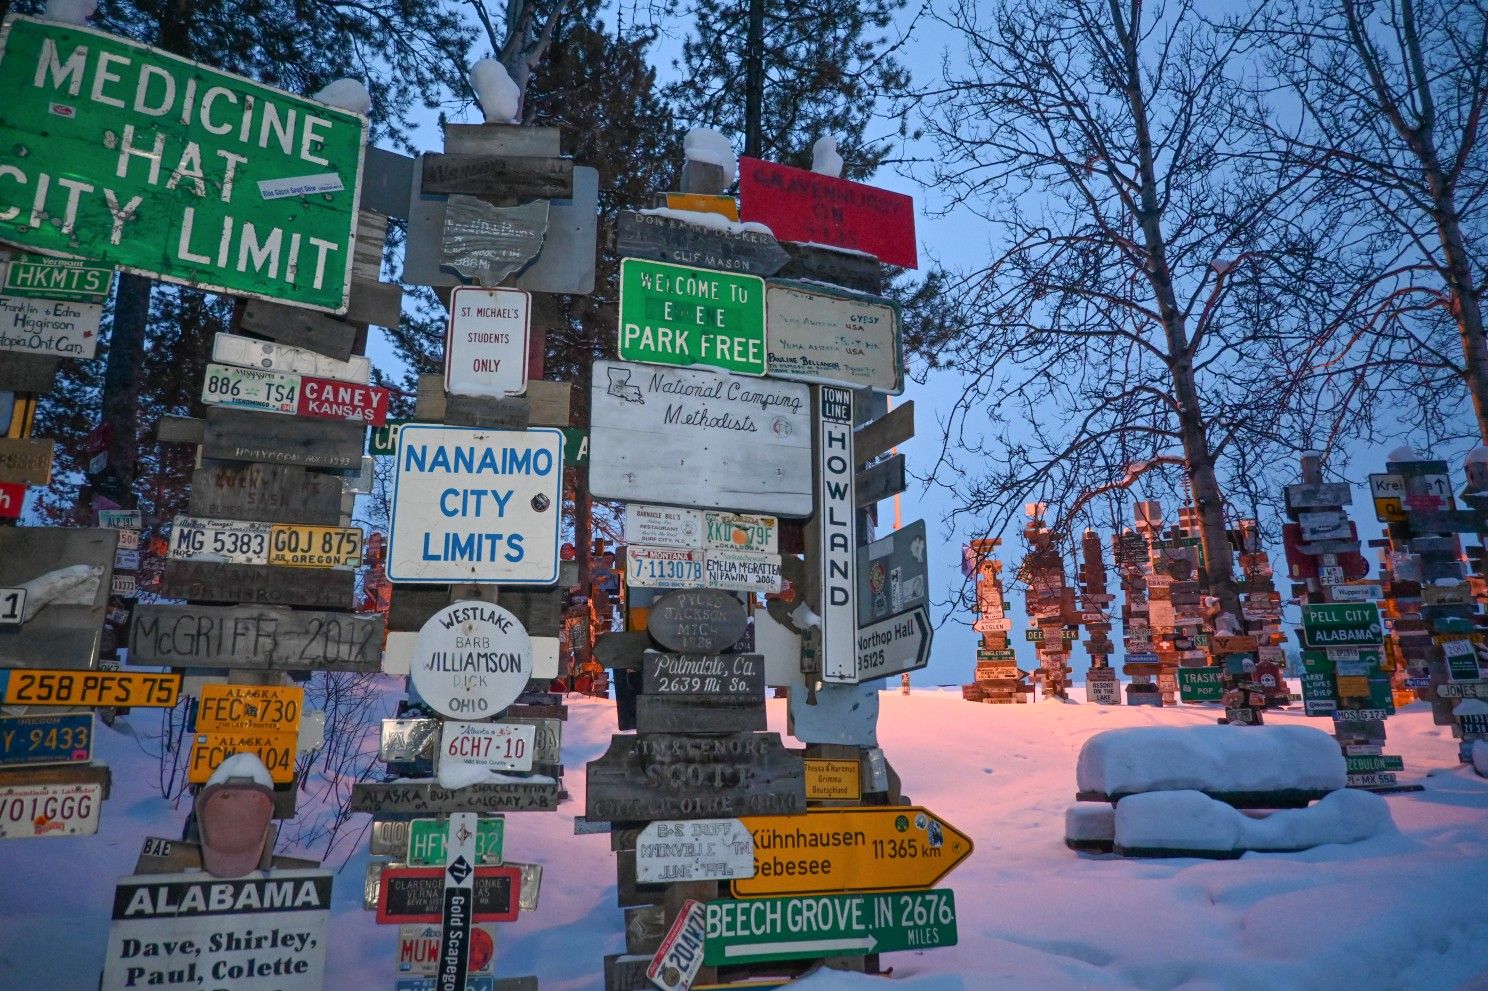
(998,679)
(1095,614)
(743,426)
(1050,604)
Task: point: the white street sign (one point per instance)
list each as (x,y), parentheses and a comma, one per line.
(472,660)
(485,347)
(230,349)
(49,326)
(895,644)
(663,567)
(476,505)
(692,437)
(694,850)
(836,528)
(662,526)
(494,746)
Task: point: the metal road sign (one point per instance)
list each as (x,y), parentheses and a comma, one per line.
(476,505)
(65,738)
(831,337)
(895,644)
(426,841)
(1342,624)
(836,530)
(250,190)
(808,207)
(48,686)
(894,574)
(874,848)
(263,637)
(257,708)
(675,315)
(757,930)
(1200,684)
(485,344)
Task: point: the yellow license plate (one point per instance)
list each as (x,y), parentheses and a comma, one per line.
(115,688)
(260,708)
(276,750)
(315,546)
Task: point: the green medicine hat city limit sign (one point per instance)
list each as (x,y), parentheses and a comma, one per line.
(676,315)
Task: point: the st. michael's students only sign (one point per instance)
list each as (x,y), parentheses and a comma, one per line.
(476,505)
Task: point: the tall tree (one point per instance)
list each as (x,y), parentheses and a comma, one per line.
(1125,331)
(823,66)
(1392,95)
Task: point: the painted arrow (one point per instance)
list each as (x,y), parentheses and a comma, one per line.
(894,644)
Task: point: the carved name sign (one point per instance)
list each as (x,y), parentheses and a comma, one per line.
(691,437)
(266,493)
(259,637)
(658,776)
(427,798)
(725,247)
(697,621)
(712,674)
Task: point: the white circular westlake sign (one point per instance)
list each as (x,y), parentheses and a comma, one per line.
(473,659)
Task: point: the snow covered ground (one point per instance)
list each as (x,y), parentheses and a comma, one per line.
(1406,910)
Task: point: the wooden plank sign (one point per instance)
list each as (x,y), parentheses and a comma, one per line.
(254,637)
(812,208)
(26,460)
(644,778)
(65,574)
(485,344)
(245,435)
(676,315)
(207,581)
(697,621)
(498,176)
(706,674)
(726,247)
(822,335)
(427,798)
(300,328)
(266,493)
(692,437)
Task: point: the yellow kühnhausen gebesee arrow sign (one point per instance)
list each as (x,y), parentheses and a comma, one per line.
(882,848)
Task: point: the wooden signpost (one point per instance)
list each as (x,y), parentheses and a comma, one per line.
(255,637)
(663,238)
(658,776)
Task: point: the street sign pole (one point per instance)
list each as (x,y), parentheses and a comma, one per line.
(459,901)
(835,528)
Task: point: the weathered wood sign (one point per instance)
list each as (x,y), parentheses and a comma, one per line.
(246,435)
(26,460)
(65,575)
(817,334)
(297,327)
(428,798)
(708,674)
(692,437)
(28,372)
(498,175)
(258,584)
(699,714)
(677,315)
(658,776)
(256,637)
(659,237)
(697,621)
(812,208)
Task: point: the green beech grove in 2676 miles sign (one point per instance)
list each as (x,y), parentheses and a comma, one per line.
(133,157)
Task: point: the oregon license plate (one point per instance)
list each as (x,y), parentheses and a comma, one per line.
(50,810)
(276,750)
(250,388)
(220,541)
(20,686)
(65,738)
(337,547)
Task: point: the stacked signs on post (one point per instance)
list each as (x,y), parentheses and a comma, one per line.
(1261,615)
(1050,602)
(1101,686)
(1141,664)
(1346,668)
(738,407)
(998,678)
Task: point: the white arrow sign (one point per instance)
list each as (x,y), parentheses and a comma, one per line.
(826,947)
(894,644)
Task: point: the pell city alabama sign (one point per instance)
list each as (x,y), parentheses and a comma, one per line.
(472,660)
(808,207)
(831,337)
(692,437)
(674,315)
(172,169)
(1344,624)
(476,505)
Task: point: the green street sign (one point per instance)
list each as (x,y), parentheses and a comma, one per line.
(129,156)
(575,447)
(754,930)
(384,439)
(675,315)
(426,841)
(1377,762)
(1341,624)
(41,277)
(1200,685)
(996,655)
(1033,635)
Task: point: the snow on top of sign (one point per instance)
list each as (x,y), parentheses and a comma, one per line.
(824,158)
(1402,453)
(1210,758)
(1478,455)
(241,766)
(1191,820)
(348,94)
(1480,757)
(69,11)
(837,248)
(713,221)
(703,144)
(500,98)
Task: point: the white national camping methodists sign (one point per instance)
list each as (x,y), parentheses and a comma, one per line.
(689,437)
(476,505)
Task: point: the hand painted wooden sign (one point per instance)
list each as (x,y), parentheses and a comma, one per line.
(809,207)
(727,248)
(428,798)
(266,493)
(26,460)
(49,326)
(255,637)
(245,435)
(658,776)
(817,334)
(691,437)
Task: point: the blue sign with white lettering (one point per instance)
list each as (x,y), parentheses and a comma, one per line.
(54,739)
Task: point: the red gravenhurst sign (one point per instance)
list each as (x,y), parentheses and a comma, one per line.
(804,206)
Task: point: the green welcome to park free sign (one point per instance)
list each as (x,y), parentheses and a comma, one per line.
(129,156)
(676,315)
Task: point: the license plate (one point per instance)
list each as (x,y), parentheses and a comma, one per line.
(12,606)
(664,567)
(49,810)
(127,560)
(276,750)
(19,686)
(1373,779)
(496,746)
(220,541)
(129,540)
(255,708)
(680,955)
(742,571)
(249,388)
(123,586)
(60,739)
(338,547)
